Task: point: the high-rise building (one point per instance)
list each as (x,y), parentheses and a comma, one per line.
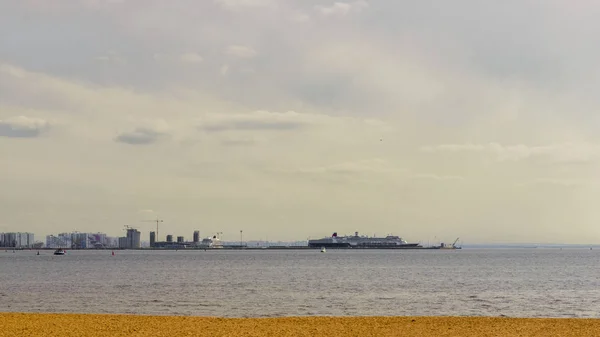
(196,236)
(152,239)
(180,239)
(62,240)
(97,240)
(123,242)
(169,238)
(112,242)
(80,240)
(17,240)
(133,238)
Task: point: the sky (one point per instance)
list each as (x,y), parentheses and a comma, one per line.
(291,119)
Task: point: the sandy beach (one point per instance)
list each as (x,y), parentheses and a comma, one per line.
(21,324)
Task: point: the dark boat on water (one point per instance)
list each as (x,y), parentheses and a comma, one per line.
(60,251)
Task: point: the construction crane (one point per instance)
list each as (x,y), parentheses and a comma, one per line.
(157,222)
(455,241)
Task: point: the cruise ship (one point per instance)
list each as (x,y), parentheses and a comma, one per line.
(356,241)
(211,242)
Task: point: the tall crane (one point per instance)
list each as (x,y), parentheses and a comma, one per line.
(157,222)
(455,241)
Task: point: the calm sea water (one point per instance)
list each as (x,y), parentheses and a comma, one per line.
(468,282)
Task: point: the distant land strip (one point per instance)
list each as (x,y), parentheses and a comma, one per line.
(66,325)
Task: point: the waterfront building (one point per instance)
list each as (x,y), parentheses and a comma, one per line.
(132,240)
(196,237)
(123,242)
(180,239)
(112,242)
(169,238)
(78,240)
(152,239)
(17,240)
(97,240)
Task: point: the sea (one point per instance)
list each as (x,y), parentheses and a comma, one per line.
(273,283)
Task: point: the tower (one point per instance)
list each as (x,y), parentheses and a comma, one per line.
(152,239)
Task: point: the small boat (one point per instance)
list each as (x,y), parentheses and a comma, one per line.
(60,251)
(323,250)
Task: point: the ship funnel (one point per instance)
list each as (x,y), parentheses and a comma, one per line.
(334,235)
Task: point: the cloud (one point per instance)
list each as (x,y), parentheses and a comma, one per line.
(191,58)
(146,211)
(139,136)
(111,57)
(149,134)
(553,182)
(300,17)
(259,120)
(429,176)
(342,8)
(373,165)
(237,4)
(567,152)
(241,51)
(224,70)
(23,127)
(245,141)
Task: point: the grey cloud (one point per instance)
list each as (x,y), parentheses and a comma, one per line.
(238,142)
(259,120)
(342,8)
(566,153)
(430,176)
(241,51)
(250,125)
(22,127)
(191,58)
(140,136)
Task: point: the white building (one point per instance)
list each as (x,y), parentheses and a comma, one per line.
(17,240)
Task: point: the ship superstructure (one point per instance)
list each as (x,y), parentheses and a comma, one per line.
(356,241)
(211,242)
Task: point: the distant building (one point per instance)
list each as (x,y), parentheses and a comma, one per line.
(169,238)
(180,239)
(132,240)
(152,239)
(98,240)
(62,240)
(196,237)
(123,242)
(78,240)
(17,240)
(112,242)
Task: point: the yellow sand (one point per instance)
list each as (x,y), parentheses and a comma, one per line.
(15,324)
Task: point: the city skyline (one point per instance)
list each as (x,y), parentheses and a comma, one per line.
(292,119)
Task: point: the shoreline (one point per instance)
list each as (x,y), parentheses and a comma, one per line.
(50,324)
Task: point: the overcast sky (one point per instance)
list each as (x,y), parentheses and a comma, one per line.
(294,119)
